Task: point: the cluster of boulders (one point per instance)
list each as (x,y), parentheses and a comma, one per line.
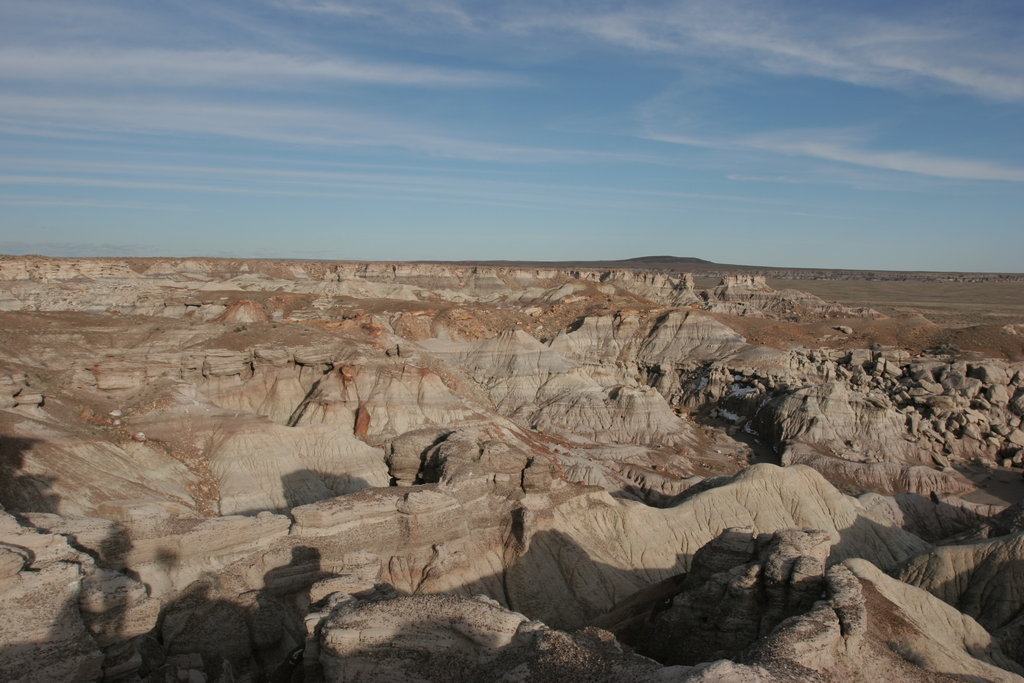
(865,406)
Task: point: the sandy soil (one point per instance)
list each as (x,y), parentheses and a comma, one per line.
(951,303)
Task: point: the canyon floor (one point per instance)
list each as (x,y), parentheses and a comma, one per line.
(650,470)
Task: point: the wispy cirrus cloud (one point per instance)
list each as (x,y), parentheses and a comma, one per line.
(297,125)
(826,43)
(21,200)
(842,148)
(166,67)
(455,186)
(841,177)
(896,160)
(789,180)
(925,46)
(368,118)
(404,12)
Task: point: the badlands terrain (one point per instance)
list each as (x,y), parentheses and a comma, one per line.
(231,470)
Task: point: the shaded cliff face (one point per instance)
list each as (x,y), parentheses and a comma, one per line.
(202,461)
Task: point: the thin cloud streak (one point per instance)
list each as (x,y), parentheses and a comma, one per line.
(851,53)
(359,191)
(289,125)
(927,50)
(788,180)
(860,181)
(461,187)
(898,160)
(327,184)
(359,117)
(88,203)
(905,161)
(163,68)
(259,177)
(407,15)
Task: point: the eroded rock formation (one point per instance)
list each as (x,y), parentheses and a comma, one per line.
(208,464)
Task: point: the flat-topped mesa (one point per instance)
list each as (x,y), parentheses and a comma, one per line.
(166,287)
(675,290)
(740,281)
(520,283)
(749,294)
(47,269)
(200,288)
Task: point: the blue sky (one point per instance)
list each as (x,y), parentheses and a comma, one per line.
(848,135)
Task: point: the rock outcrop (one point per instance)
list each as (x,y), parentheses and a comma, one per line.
(786,616)
(738,590)
(758,599)
(982,579)
(870,418)
(441,638)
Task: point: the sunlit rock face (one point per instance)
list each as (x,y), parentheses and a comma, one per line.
(467,473)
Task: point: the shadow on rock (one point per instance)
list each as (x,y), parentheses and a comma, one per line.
(19,490)
(308,486)
(214,628)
